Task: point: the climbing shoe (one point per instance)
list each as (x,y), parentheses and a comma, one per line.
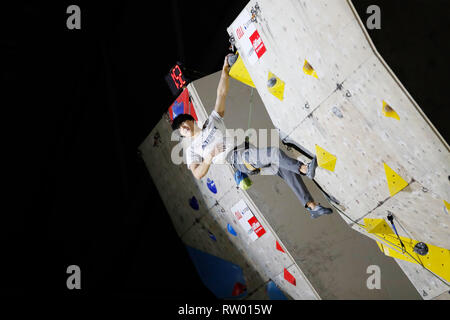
(312,168)
(319,211)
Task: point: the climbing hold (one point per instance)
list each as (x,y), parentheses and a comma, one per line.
(242,180)
(231,230)
(277,86)
(212,236)
(274,292)
(325,159)
(337,112)
(156,139)
(446,207)
(232,58)
(193,203)
(421,248)
(279,248)
(238,289)
(309,70)
(377,226)
(271,82)
(434,258)
(395,182)
(389,112)
(211,185)
(177,109)
(289,277)
(240,73)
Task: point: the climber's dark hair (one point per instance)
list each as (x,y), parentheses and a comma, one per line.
(180,119)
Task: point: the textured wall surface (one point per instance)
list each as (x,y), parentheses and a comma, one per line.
(333,256)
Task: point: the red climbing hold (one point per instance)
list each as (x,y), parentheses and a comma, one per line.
(289,277)
(279,247)
(238,289)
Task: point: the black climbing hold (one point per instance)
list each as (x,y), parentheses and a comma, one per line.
(337,112)
(421,248)
(271,82)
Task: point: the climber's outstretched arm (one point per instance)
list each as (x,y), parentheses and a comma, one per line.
(222,89)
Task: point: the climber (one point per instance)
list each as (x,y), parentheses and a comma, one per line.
(210,144)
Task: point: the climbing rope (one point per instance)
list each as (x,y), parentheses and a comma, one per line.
(390,217)
(250,109)
(247,137)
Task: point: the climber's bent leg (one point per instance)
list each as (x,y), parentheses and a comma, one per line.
(295,182)
(273,156)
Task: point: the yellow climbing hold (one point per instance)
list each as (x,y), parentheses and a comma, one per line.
(275,86)
(437,259)
(240,73)
(309,70)
(389,112)
(377,226)
(325,159)
(447,206)
(395,182)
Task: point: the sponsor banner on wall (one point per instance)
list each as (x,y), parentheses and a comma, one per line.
(247,220)
(251,44)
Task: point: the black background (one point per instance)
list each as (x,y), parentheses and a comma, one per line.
(77,103)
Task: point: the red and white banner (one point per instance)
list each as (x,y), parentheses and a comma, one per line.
(258,44)
(251,44)
(247,220)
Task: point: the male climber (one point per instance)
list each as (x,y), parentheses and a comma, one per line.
(210,144)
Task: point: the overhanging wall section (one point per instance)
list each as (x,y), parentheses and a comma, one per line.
(205,228)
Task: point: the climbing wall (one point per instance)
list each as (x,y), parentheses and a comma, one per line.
(328,90)
(219,223)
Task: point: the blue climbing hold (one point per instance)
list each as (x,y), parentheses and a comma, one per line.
(212,236)
(177,109)
(211,185)
(274,292)
(194,203)
(231,230)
